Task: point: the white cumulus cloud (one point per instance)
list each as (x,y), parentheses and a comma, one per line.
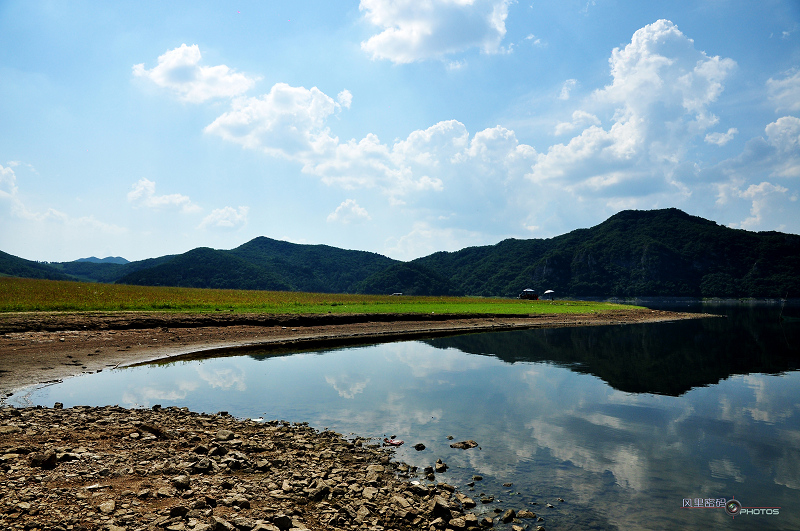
(291,122)
(785,92)
(721,139)
(784,136)
(413,30)
(51,228)
(8,183)
(345,98)
(659,101)
(579,119)
(179,71)
(225,218)
(348,212)
(288,122)
(143,193)
(425,239)
(566,88)
(766,209)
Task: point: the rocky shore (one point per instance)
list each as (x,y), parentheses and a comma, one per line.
(116,469)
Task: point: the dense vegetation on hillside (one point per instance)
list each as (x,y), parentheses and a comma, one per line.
(408,279)
(633,253)
(13,266)
(313,268)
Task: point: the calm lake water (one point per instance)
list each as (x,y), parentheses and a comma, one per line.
(625,423)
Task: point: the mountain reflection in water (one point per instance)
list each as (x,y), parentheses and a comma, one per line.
(662,358)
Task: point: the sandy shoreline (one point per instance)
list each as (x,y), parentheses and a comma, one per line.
(41,348)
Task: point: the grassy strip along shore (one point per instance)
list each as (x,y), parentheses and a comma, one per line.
(33,295)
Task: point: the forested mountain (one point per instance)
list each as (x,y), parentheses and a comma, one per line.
(633,253)
(14,266)
(108,272)
(106,260)
(314,268)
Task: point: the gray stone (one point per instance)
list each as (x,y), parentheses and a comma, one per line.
(108,507)
(466,501)
(464,445)
(224,435)
(180,482)
(220,524)
(457,523)
(440,507)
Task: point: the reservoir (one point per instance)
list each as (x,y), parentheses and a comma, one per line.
(650,426)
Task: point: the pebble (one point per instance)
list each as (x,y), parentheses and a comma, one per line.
(79,469)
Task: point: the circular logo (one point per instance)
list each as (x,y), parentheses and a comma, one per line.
(733,507)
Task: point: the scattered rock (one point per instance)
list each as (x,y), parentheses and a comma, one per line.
(108,507)
(464,445)
(180,482)
(465,501)
(224,435)
(198,472)
(46,459)
(419,447)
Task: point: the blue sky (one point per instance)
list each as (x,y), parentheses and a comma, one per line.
(402,127)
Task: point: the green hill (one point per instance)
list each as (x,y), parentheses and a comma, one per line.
(633,253)
(107,272)
(313,268)
(207,268)
(408,279)
(13,266)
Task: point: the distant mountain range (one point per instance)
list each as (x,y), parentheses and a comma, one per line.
(106,260)
(633,253)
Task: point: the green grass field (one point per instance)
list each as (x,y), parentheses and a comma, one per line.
(31,295)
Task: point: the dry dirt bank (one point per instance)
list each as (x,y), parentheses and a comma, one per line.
(39,348)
